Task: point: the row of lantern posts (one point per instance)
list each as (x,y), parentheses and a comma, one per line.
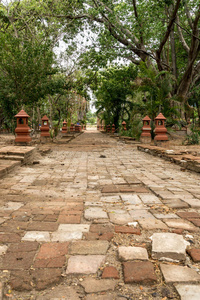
(23,130)
(160,129)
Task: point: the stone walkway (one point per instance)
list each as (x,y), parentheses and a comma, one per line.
(97,219)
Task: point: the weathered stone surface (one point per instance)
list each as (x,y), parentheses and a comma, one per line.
(176,203)
(168,246)
(74,227)
(179,223)
(141,214)
(62,236)
(174,273)
(139,272)
(196,222)
(95,213)
(3,249)
(131,253)
(131,199)
(42,226)
(188,291)
(150,199)
(120,219)
(152,224)
(195,254)
(94,285)
(89,247)
(193,202)
(81,264)
(21,280)
(39,236)
(64,293)
(110,272)
(107,296)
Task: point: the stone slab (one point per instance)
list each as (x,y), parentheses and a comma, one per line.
(74,227)
(131,253)
(140,214)
(91,285)
(64,293)
(89,247)
(120,218)
(179,223)
(84,264)
(193,202)
(168,246)
(131,199)
(150,224)
(38,236)
(195,254)
(95,213)
(176,203)
(62,236)
(174,273)
(150,199)
(188,291)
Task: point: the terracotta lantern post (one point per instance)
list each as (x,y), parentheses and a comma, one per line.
(45,127)
(64,128)
(160,129)
(113,128)
(108,128)
(22,130)
(146,131)
(124,125)
(72,127)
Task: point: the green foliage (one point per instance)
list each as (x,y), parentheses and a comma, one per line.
(193,138)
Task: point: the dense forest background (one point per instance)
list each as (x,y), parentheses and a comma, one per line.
(133,58)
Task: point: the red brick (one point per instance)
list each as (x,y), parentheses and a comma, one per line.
(42,226)
(13,226)
(71,212)
(196,222)
(195,254)
(21,280)
(100,229)
(110,272)
(111,188)
(188,214)
(139,272)
(73,219)
(57,262)
(178,231)
(127,229)
(51,218)
(16,261)
(10,238)
(95,236)
(44,278)
(23,247)
(52,250)
(136,189)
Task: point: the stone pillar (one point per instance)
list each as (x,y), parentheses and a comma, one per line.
(22,130)
(146,131)
(44,129)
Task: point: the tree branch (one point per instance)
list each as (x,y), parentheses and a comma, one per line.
(169,27)
(183,42)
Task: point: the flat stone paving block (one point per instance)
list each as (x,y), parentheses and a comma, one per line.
(120,219)
(139,272)
(195,254)
(89,247)
(150,199)
(168,245)
(38,236)
(84,264)
(64,293)
(94,285)
(131,253)
(193,202)
(179,223)
(173,273)
(152,224)
(188,291)
(141,214)
(95,213)
(62,236)
(74,227)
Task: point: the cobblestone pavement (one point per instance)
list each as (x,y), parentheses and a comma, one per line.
(96,219)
